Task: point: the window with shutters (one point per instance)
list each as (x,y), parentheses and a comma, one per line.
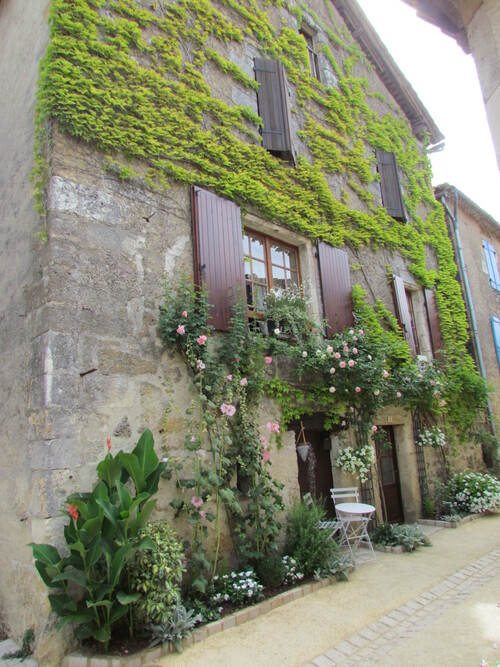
(495,325)
(390,186)
(313,56)
(269,264)
(274,108)
(491,264)
(418,317)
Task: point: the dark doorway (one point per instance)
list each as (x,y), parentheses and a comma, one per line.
(389,477)
(315,473)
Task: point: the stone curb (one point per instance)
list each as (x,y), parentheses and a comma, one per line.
(447,524)
(148,656)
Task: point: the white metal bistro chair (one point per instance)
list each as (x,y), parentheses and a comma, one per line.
(333,526)
(355,517)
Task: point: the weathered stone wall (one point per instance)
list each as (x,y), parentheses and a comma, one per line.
(23,37)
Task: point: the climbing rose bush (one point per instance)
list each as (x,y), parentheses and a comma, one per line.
(474,493)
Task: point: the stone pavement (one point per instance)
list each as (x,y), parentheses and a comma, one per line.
(369,645)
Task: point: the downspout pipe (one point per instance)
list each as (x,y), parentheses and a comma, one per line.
(468,296)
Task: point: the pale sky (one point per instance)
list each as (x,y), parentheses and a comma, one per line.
(446,81)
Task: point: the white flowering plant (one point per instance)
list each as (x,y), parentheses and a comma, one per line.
(292,574)
(431,437)
(287,310)
(237,588)
(357,462)
(474,492)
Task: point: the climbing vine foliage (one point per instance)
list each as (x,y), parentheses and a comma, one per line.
(166,92)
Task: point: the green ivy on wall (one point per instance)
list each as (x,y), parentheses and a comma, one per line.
(131,79)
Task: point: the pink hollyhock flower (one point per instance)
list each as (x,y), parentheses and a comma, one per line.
(357,390)
(200,364)
(180,329)
(193,439)
(108,442)
(203,515)
(243,382)
(337,355)
(355,350)
(196,502)
(268,360)
(332,390)
(351,363)
(332,371)
(385,373)
(374,428)
(273,427)
(202,340)
(399,394)
(266,455)
(229,377)
(228,410)
(184,313)
(329,349)
(264,441)
(342,364)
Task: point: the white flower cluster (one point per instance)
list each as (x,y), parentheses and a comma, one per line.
(356,461)
(236,587)
(291,574)
(475,492)
(431,437)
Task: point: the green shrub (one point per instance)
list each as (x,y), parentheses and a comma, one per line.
(175,629)
(392,535)
(383,534)
(270,570)
(306,543)
(156,575)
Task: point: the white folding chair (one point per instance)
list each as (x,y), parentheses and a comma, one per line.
(335,526)
(354,516)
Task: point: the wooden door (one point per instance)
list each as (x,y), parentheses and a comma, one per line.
(315,474)
(389,478)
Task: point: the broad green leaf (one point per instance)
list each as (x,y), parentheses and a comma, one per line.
(99,603)
(131,465)
(117,613)
(153,479)
(94,551)
(62,604)
(143,516)
(103,633)
(145,453)
(77,578)
(124,496)
(100,491)
(45,553)
(127,598)
(110,471)
(118,563)
(47,576)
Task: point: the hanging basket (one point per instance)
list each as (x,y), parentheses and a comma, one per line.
(303,450)
(301,445)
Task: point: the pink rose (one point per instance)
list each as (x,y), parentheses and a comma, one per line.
(268,360)
(342,364)
(357,390)
(337,355)
(385,373)
(332,371)
(399,394)
(355,338)
(329,349)
(442,404)
(355,350)
(202,340)
(180,329)
(346,348)
(184,313)
(243,382)
(351,363)
(361,332)
(374,428)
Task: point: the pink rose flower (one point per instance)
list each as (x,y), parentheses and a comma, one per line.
(184,313)
(355,338)
(351,363)
(385,373)
(202,340)
(268,360)
(180,329)
(357,390)
(399,394)
(243,382)
(196,502)
(337,355)
(346,348)
(332,371)
(374,428)
(329,349)
(355,350)
(361,332)
(342,364)
(442,404)
(344,423)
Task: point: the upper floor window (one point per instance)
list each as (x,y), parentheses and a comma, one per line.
(495,325)
(491,264)
(269,264)
(313,56)
(390,186)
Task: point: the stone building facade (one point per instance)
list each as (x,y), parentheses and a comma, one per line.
(80,352)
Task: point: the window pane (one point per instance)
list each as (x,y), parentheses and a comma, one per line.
(290,259)
(278,278)
(257,248)
(292,279)
(276,254)
(259,297)
(256,271)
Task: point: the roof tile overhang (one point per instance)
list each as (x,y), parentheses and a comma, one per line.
(387,69)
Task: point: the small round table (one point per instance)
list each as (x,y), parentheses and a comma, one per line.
(355,518)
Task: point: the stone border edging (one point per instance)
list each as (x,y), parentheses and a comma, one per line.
(447,524)
(147,656)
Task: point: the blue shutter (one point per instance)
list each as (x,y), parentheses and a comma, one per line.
(495,325)
(491,263)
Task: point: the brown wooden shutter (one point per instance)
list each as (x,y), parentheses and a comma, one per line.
(335,288)
(433,320)
(403,312)
(274,107)
(392,197)
(218,252)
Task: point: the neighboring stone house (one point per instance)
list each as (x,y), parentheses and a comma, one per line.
(476,242)
(475,25)
(150,132)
